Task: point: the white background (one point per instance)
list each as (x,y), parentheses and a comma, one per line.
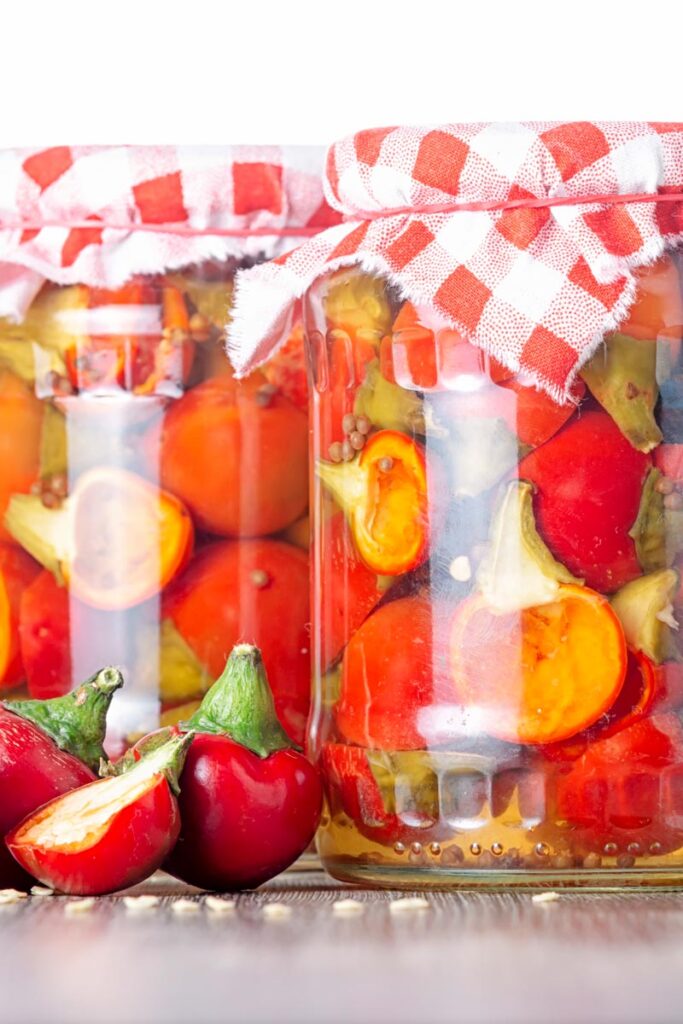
(302,71)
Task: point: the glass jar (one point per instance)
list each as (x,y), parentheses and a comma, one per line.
(154,508)
(499,681)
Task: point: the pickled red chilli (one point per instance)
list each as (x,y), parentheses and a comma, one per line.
(477,685)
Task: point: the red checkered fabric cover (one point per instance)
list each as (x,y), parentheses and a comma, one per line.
(536,287)
(97,214)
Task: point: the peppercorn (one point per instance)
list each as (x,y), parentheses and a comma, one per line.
(347,451)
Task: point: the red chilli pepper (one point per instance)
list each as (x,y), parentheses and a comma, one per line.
(110,834)
(595,521)
(250,802)
(48,748)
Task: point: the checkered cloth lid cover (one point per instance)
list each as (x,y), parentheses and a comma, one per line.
(536,273)
(98,214)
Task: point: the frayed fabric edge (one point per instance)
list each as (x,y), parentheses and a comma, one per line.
(285,292)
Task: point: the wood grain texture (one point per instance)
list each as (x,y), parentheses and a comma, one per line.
(469,957)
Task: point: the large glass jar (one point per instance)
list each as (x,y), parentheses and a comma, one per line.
(153,507)
(499,681)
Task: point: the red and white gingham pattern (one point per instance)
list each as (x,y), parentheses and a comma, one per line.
(536,287)
(49,197)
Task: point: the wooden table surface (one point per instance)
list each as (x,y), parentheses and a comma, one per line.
(469,957)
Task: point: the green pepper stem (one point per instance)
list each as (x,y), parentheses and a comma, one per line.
(164,755)
(345,481)
(43,532)
(76,722)
(240,705)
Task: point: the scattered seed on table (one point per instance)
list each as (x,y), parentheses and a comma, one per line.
(545,897)
(183,906)
(348,907)
(80,906)
(408,903)
(11,896)
(276,911)
(41,890)
(140,903)
(218,905)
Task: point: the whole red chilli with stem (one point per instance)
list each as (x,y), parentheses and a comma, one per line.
(47,748)
(110,834)
(250,802)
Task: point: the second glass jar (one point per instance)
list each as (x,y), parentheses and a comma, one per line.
(499,683)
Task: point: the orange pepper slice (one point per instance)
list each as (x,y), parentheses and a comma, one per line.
(384,495)
(540,675)
(130,539)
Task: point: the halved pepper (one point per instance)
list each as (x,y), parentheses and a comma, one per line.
(540,675)
(109,834)
(383,493)
(535,657)
(116,541)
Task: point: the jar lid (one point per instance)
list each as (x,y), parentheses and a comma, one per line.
(98,214)
(522,236)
